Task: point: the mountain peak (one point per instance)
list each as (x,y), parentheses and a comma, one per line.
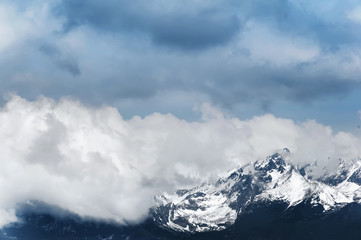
(271,181)
(349,171)
(273,162)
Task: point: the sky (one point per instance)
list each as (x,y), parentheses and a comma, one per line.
(294,59)
(165,94)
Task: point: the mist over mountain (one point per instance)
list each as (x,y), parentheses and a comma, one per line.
(92,162)
(266,199)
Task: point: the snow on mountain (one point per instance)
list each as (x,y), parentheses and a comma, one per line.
(200,209)
(288,185)
(347,179)
(217,206)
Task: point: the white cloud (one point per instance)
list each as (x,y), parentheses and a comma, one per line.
(355,14)
(18,27)
(7,216)
(270,45)
(94,163)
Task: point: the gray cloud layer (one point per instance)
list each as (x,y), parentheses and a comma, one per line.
(253,53)
(174,24)
(198,24)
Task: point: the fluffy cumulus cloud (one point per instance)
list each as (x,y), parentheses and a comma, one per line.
(94,163)
(231,53)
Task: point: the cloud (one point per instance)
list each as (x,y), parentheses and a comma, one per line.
(67,63)
(94,163)
(200,24)
(186,25)
(324,22)
(355,14)
(248,54)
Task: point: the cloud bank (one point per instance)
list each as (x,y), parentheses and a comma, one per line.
(94,163)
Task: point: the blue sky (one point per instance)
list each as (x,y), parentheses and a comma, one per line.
(294,59)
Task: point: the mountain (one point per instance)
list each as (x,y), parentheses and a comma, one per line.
(268,199)
(214,207)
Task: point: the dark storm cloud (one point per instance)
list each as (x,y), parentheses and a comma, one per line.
(181,29)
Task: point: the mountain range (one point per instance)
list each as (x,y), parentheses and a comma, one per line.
(266,199)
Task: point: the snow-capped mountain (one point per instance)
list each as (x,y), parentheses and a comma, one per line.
(346,179)
(217,206)
(266,199)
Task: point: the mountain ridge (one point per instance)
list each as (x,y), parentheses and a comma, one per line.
(215,207)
